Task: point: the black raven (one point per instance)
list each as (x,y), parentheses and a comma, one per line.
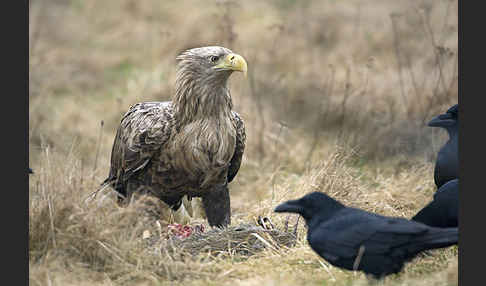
(30,171)
(355,239)
(447,163)
(444,209)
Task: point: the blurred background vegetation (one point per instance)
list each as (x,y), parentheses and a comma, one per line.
(371,72)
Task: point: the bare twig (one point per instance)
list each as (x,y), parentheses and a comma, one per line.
(369,66)
(47,197)
(328,90)
(327,269)
(112,252)
(296,226)
(436,48)
(261,116)
(98,146)
(396,45)
(286,224)
(454,74)
(358,257)
(428,30)
(227,22)
(446,17)
(264,241)
(276,154)
(51,220)
(93,195)
(347,89)
(408,61)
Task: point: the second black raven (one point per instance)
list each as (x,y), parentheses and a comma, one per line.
(443,211)
(447,163)
(355,239)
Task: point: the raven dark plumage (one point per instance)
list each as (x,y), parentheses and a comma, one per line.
(355,239)
(30,171)
(447,163)
(443,211)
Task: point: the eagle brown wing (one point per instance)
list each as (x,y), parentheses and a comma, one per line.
(142,131)
(235,162)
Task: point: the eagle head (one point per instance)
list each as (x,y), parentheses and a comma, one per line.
(209,64)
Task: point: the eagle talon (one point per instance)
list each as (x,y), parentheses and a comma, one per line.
(265,223)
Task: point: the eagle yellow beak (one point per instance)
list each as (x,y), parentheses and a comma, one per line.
(233,62)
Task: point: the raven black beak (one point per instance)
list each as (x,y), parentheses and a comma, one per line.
(454,109)
(289,207)
(442,120)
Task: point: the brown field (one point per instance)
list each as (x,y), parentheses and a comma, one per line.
(337,98)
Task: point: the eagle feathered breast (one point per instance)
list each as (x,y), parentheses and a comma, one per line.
(191,146)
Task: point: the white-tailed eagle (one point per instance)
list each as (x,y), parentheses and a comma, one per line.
(191,146)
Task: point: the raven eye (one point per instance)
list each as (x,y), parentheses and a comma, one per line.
(214,59)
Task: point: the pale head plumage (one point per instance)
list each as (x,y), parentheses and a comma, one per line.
(202,82)
(200,63)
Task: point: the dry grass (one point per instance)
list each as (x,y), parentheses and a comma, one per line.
(336,100)
(71,241)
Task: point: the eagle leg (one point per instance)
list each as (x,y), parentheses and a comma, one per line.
(174,202)
(216,205)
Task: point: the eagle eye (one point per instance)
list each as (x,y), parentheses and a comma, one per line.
(214,59)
